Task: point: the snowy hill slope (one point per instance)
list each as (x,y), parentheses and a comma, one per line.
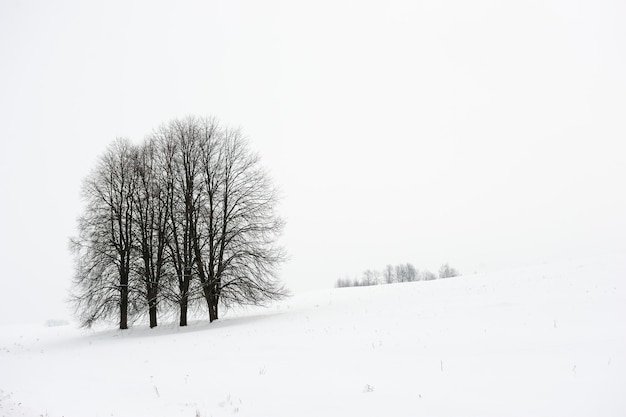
(548,340)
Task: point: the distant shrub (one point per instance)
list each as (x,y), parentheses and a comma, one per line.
(55,323)
(343,283)
(370,278)
(426,275)
(400,273)
(446,271)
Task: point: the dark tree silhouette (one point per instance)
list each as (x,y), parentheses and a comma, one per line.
(188,215)
(235,243)
(152,212)
(104,247)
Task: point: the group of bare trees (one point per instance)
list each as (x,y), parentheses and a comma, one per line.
(186,219)
(398,273)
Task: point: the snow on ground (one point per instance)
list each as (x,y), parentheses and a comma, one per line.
(548,340)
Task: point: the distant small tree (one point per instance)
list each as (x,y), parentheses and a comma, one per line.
(401,273)
(370,277)
(341,283)
(411,272)
(398,273)
(377,277)
(426,275)
(388,274)
(446,271)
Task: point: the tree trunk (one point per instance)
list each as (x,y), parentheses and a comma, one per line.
(206,288)
(153,316)
(212,312)
(207,296)
(183,310)
(213,304)
(215,312)
(124,305)
(152,308)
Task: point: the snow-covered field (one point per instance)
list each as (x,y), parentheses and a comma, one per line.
(542,341)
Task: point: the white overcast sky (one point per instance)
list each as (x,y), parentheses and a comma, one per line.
(489,134)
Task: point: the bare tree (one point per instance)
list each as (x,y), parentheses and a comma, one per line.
(343,282)
(377,276)
(401,273)
(243,254)
(388,274)
(426,275)
(411,272)
(446,271)
(369,278)
(152,201)
(179,145)
(208,229)
(189,215)
(104,247)
(223,219)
